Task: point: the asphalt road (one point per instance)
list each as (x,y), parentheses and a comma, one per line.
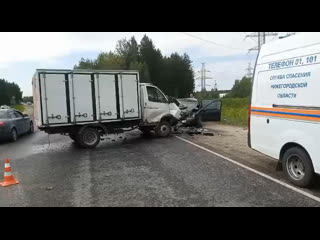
(137,171)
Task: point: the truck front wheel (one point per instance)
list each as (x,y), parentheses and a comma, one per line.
(163,129)
(88,138)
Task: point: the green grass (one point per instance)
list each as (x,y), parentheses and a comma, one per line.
(235,111)
(19,107)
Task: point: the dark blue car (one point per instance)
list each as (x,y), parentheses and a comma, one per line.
(13,123)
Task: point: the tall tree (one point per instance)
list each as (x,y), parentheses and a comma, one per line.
(129,50)
(153,58)
(174,74)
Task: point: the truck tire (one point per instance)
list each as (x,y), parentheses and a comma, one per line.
(298,167)
(163,129)
(88,138)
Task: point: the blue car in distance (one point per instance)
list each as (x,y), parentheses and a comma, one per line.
(13,124)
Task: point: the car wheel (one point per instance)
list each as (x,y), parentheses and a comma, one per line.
(31,128)
(14,135)
(163,129)
(88,138)
(298,167)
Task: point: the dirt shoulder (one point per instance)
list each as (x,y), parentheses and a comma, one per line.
(231,141)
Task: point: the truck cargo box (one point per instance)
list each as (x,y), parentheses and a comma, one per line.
(76,97)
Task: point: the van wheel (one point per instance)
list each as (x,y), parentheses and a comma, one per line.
(163,129)
(298,167)
(88,138)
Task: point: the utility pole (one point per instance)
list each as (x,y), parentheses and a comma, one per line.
(249,70)
(261,38)
(203,77)
(215,88)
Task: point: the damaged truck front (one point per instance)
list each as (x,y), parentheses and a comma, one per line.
(88,104)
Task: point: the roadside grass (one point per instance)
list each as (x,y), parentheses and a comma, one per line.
(19,107)
(235,111)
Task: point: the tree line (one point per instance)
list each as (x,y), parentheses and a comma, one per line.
(10,93)
(173,74)
(241,88)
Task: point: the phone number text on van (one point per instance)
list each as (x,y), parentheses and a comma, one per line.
(293,62)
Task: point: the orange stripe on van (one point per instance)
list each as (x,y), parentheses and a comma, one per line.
(286,116)
(287,113)
(288,110)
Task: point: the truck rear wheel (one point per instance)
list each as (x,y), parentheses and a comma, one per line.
(298,167)
(88,138)
(163,129)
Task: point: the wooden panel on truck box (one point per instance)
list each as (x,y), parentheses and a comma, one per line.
(129,101)
(81,97)
(53,98)
(106,103)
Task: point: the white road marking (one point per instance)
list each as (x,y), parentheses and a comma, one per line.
(255,171)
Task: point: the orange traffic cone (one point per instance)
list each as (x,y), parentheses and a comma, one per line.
(8,177)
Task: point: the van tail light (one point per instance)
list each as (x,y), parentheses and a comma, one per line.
(1,124)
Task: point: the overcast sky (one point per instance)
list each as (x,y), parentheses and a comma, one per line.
(22,53)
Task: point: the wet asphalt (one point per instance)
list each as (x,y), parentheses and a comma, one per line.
(136,172)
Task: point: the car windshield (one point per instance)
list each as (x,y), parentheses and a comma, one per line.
(3,115)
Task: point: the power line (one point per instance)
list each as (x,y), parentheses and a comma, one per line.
(218,44)
(250,37)
(261,38)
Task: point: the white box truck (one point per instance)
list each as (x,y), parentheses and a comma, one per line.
(284,119)
(88,104)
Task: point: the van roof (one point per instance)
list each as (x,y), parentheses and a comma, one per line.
(289,43)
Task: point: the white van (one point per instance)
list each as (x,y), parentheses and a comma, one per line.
(284,118)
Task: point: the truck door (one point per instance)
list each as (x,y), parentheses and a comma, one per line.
(129,100)
(54,99)
(83,106)
(106,96)
(155,106)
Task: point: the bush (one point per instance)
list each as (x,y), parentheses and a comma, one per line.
(235,111)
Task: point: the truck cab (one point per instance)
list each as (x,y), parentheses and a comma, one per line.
(157,110)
